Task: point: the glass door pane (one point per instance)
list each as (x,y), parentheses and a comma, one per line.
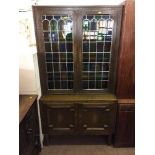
(97,41)
(58,42)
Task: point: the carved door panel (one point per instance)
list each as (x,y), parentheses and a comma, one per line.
(97,118)
(60,118)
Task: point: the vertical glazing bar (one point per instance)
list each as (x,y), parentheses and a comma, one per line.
(103,58)
(66,61)
(95,51)
(52,56)
(89,26)
(59,52)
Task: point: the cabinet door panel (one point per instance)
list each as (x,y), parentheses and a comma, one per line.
(97,118)
(125,133)
(59,119)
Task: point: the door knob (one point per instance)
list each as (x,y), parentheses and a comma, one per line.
(29,131)
(71,126)
(85,126)
(50,126)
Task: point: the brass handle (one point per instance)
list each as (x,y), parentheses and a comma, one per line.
(72,109)
(107,109)
(71,126)
(85,126)
(105,125)
(50,126)
(29,131)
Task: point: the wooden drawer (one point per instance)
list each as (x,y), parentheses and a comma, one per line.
(97,118)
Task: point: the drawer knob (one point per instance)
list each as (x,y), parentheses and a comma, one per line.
(29,131)
(105,125)
(71,126)
(50,126)
(107,109)
(72,109)
(85,126)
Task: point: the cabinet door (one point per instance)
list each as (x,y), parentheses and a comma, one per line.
(77,47)
(125,132)
(97,118)
(55,33)
(22,139)
(29,132)
(59,119)
(98,48)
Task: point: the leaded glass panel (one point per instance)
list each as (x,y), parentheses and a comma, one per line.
(58,45)
(97,42)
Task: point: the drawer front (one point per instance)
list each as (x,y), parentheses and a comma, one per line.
(97,118)
(59,118)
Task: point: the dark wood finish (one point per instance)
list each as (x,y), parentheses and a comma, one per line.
(78,98)
(78,115)
(58,118)
(29,142)
(126,69)
(25,102)
(97,118)
(76,13)
(125,129)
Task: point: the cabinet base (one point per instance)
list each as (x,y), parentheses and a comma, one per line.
(77,140)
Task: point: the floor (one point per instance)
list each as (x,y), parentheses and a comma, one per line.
(86,150)
(83,146)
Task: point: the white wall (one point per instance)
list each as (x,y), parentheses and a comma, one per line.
(27,47)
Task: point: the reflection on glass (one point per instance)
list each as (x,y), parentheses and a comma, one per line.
(57,34)
(53,25)
(97,41)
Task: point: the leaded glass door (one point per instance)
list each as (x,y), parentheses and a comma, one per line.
(99,49)
(57,32)
(77,48)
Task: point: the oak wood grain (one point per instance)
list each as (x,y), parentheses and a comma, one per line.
(79,97)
